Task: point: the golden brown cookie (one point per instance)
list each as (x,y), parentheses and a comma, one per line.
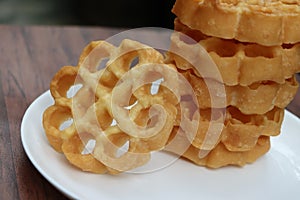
(268,22)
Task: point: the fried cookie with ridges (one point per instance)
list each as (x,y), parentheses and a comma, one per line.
(239,132)
(220,156)
(238,63)
(257,98)
(268,22)
(90,108)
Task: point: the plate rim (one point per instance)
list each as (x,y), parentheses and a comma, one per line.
(42,171)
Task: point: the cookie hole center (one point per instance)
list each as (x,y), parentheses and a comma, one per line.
(73,90)
(66,124)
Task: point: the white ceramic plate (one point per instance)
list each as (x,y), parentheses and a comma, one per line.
(274,176)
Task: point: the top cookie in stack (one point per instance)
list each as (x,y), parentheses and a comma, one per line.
(265,22)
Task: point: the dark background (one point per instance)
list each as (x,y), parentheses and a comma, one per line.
(111,13)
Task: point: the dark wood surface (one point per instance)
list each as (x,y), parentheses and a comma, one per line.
(29,57)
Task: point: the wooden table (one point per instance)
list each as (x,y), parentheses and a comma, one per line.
(29,57)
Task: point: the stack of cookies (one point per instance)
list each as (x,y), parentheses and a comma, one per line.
(256,47)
